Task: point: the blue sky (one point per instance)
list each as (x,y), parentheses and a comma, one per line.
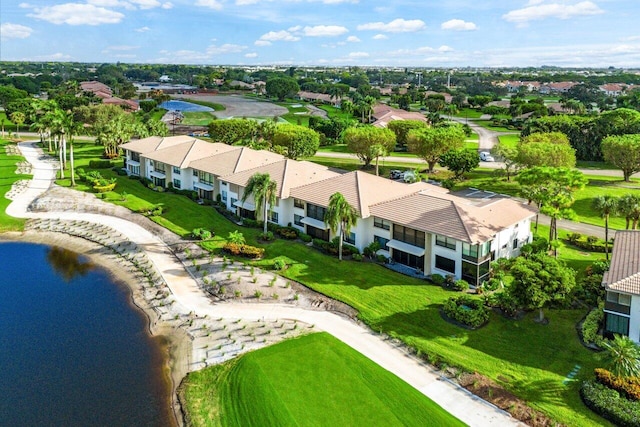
(457,33)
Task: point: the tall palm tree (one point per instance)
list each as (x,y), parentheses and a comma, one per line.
(378,150)
(18,118)
(606,205)
(622,356)
(340,216)
(72,128)
(264,191)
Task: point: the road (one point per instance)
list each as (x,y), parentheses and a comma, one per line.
(487,138)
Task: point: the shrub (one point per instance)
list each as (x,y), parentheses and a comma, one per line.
(590,289)
(356,257)
(628,386)
(268,236)
(236,237)
(598,267)
(371,249)
(492,284)
(201,233)
(288,233)
(382,259)
(460,285)
(592,239)
(574,237)
(437,279)
(503,301)
(243,250)
(80,173)
(304,237)
(100,164)
(609,404)
(467,310)
(279,264)
(252,223)
(448,183)
(591,325)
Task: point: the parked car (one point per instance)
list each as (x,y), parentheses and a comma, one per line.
(395,174)
(486,156)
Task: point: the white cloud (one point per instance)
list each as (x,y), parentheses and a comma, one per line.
(283,35)
(146,4)
(251,55)
(353,39)
(211,4)
(167,5)
(262,43)
(380,37)
(225,48)
(395,26)
(76,14)
(458,25)
(142,29)
(358,55)
(246,2)
(14,31)
(540,10)
(324,31)
(112,4)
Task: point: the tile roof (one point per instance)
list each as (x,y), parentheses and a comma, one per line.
(287,174)
(183,154)
(452,216)
(234,161)
(624,271)
(153,143)
(361,190)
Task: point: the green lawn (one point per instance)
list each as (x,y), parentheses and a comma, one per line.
(216,107)
(7,177)
(529,359)
(469,113)
(197,118)
(509,140)
(489,125)
(314,380)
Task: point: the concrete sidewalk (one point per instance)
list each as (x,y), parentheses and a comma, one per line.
(454,399)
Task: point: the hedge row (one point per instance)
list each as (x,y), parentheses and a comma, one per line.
(610,405)
(628,386)
(245,251)
(467,310)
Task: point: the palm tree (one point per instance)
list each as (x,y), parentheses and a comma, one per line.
(378,150)
(629,206)
(264,190)
(606,205)
(340,216)
(622,356)
(18,117)
(347,106)
(369,102)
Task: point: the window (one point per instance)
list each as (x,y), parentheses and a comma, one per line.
(297,203)
(350,239)
(445,264)
(382,242)
(159,167)
(617,324)
(233,201)
(315,212)
(223,196)
(408,259)
(176,170)
(135,156)
(134,170)
(195,172)
(408,235)
(297,220)
(273,217)
(177,184)
(475,252)
(205,178)
(446,242)
(618,298)
(515,243)
(381,223)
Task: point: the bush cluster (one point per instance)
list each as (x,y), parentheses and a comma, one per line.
(268,236)
(252,223)
(467,310)
(609,404)
(246,251)
(201,233)
(589,243)
(304,237)
(332,247)
(437,279)
(503,301)
(100,164)
(98,182)
(591,326)
(627,386)
(288,233)
(279,264)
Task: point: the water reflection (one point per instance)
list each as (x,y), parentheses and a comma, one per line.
(68,264)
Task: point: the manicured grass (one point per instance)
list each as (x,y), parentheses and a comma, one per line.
(509,140)
(7,177)
(314,380)
(599,186)
(197,118)
(489,125)
(469,113)
(216,107)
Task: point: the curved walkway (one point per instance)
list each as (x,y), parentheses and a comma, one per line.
(462,404)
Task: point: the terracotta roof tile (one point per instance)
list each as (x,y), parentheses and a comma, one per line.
(624,271)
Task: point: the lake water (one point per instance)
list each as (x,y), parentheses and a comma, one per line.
(73,351)
(174,105)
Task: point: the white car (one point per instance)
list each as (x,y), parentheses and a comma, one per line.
(485,156)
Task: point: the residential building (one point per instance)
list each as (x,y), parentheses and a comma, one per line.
(383,114)
(622,286)
(418,225)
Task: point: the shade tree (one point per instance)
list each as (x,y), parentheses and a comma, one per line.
(623,151)
(431,143)
(369,142)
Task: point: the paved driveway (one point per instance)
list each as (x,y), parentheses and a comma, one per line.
(238,106)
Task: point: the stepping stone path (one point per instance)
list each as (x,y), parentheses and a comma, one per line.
(571,375)
(17,188)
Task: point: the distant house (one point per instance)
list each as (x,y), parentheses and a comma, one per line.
(420,226)
(105,93)
(613,89)
(622,285)
(384,114)
(317,97)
